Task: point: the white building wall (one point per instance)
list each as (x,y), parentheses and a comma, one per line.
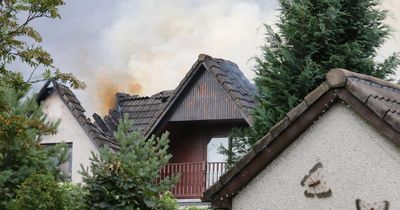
(69,131)
(358,162)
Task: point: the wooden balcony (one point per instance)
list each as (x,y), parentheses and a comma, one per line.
(195,177)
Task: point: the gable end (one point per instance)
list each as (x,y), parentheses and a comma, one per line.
(205,99)
(376,100)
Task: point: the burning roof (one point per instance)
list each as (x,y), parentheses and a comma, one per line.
(146,112)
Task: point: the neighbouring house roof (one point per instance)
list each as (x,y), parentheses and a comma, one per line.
(376,100)
(75,107)
(147,112)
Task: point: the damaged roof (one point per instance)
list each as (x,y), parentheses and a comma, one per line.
(147,112)
(74,105)
(141,110)
(376,100)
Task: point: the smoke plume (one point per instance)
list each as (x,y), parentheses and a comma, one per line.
(108,85)
(158,41)
(115,45)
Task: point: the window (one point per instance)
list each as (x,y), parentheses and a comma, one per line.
(215,161)
(65,168)
(213,146)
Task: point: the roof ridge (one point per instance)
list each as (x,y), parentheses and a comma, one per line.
(127,96)
(134,97)
(338,77)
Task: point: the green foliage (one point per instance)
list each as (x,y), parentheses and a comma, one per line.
(40,191)
(313,37)
(167,202)
(239,145)
(22,123)
(20,41)
(129,178)
(73,196)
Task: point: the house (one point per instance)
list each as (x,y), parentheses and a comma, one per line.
(338,149)
(199,113)
(75,129)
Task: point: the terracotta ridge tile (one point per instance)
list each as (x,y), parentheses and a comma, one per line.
(316,93)
(337,78)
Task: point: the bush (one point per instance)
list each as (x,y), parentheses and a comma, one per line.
(73,196)
(167,202)
(40,191)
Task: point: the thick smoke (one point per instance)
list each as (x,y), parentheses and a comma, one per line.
(153,44)
(150,44)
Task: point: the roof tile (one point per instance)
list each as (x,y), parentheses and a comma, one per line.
(379,108)
(393,119)
(226,177)
(262,143)
(246,159)
(297,111)
(315,94)
(280,126)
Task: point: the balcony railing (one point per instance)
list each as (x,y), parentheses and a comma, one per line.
(195,177)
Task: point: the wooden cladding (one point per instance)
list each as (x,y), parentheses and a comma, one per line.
(195,177)
(205,99)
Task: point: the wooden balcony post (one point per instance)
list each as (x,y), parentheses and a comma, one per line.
(204,172)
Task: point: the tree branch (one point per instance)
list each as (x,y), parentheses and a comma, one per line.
(30,76)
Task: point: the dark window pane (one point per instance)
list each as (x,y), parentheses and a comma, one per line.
(66,167)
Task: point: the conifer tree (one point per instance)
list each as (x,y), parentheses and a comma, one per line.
(312,37)
(22,123)
(129,178)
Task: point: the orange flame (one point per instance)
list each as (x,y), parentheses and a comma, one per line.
(109,85)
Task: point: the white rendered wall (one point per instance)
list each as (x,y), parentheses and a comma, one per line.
(358,162)
(69,131)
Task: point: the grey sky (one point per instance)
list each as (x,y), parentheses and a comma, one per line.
(154,43)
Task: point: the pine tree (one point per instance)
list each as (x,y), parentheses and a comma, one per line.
(129,178)
(314,36)
(22,123)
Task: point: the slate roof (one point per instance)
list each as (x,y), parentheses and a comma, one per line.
(141,110)
(147,112)
(74,105)
(234,82)
(376,100)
